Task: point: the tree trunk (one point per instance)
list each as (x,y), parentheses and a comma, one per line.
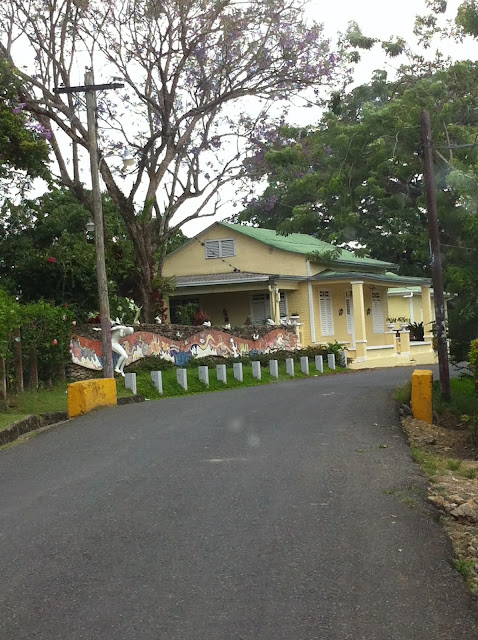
(3,381)
(145,288)
(33,370)
(18,360)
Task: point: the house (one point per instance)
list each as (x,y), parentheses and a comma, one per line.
(245,275)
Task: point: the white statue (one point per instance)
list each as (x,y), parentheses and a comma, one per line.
(119,331)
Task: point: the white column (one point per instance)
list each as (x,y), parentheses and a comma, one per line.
(359,321)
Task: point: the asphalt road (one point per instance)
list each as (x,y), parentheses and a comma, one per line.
(278,512)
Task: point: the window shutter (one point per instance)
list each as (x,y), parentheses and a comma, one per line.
(349,311)
(220,248)
(326,313)
(283,303)
(377,313)
(228,248)
(212,248)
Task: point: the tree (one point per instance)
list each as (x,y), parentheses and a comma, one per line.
(23,150)
(357,176)
(9,321)
(194,72)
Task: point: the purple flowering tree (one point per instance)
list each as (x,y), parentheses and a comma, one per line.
(201,80)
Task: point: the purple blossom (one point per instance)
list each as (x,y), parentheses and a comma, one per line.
(18,109)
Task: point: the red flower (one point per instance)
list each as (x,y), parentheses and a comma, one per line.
(55,342)
(51,259)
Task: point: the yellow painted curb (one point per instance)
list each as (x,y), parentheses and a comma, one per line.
(85,396)
(422,382)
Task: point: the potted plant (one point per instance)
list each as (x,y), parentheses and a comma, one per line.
(391,323)
(404,322)
(417,331)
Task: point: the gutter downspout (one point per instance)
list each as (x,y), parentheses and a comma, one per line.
(311,305)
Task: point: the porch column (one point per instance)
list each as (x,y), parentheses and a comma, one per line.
(427,313)
(277,301)
(359,321)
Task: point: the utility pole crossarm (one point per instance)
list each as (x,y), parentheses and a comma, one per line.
(88,87)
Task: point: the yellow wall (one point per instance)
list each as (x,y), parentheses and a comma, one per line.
(399,306)
(237,305)
(298,302)
(251,255)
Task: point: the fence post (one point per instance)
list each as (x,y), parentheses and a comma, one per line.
(157,380)
(182,378)
(256,369)
(238,371)
(274,368)
(304,365)
(289,366)
(130,382)
(204,375)
(221,373)
(319,364)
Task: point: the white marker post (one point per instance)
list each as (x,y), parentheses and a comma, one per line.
(157,380)
(130,382)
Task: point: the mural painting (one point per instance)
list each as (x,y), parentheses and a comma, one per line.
(88,353)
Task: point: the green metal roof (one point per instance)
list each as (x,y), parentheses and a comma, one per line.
(387,277)
(304,244)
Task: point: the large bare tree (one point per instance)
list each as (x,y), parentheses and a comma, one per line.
(200,79)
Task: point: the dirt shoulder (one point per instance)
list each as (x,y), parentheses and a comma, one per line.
(450,459)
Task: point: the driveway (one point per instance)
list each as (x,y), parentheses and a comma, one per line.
(291,511)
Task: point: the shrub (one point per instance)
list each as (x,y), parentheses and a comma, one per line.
(473,360)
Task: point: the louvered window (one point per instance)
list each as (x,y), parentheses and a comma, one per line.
(349,311)
(220,248)
(377,313)
(326,313)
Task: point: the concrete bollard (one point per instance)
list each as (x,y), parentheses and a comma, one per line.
(343,358)
(90,394)
(157,380)
(319,364)
(331,360)
(130,382)
(256,369)
(238,371)
(422,395)
(289,367)
(304,365)
(221,373)
(182,378)
(274,368)
(204,375)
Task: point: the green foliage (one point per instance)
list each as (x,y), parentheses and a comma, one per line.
(473,360)
(10,315)
(46,331)
(21,148)
(467,17)
(46,253)
(185,313)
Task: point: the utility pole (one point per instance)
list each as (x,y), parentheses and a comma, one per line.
(437,278)
(90,90)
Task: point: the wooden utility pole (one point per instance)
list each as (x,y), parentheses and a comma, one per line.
(90,90)
(437,278)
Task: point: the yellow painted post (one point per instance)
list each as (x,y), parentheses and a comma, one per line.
(422,382)
(90,394)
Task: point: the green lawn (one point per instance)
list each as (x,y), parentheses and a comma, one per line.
(464,399)
(34,402)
